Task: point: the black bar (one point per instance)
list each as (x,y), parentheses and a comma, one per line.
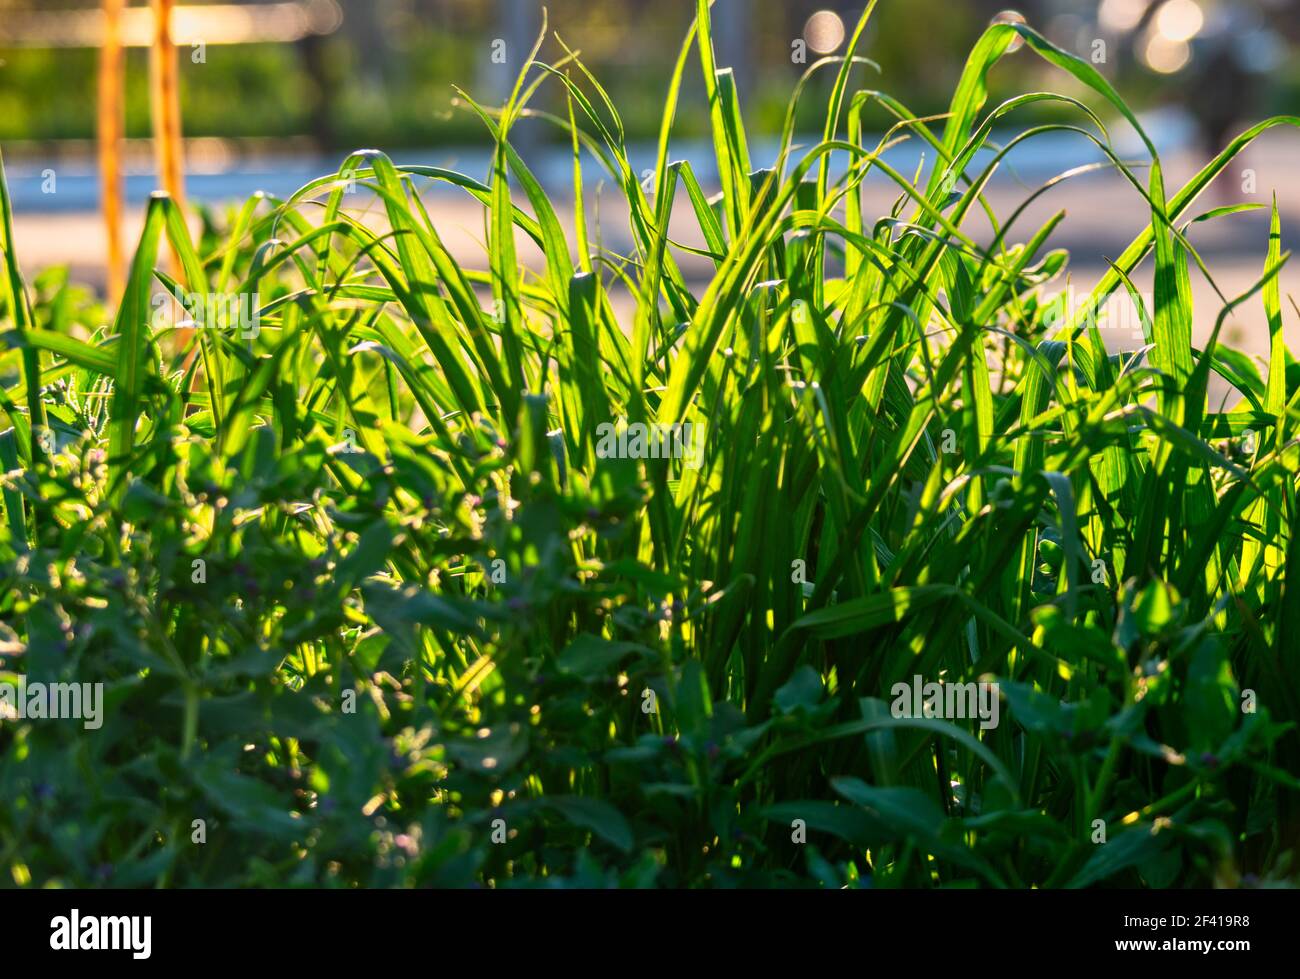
(511,927)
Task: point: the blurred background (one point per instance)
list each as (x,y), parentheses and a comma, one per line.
(336,74)
(274,92)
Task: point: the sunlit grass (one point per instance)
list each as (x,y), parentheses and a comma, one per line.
(372,597)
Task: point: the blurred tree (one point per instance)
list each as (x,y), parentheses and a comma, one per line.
(363,29)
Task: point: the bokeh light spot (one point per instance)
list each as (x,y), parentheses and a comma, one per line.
(824,31)
(1180,20)
(1121,15)
(1166,56)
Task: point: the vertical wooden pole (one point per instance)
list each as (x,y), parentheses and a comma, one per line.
(110,133)
(165,76)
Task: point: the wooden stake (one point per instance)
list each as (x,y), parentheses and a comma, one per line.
(165,87)
(165,76)
(110,132)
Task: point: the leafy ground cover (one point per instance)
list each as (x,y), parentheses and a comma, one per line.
(377,599)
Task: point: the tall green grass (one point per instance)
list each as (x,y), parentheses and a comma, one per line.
(437,636)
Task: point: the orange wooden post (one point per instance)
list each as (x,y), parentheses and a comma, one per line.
(165,76)
(110,132)
(164,73)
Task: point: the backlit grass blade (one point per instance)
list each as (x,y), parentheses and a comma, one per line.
(734,178)
(136,353)
(15,515)
(1272,509)
(19,306)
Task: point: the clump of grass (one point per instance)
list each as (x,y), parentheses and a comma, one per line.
(370,598)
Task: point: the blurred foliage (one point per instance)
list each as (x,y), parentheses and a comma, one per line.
(385,78)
